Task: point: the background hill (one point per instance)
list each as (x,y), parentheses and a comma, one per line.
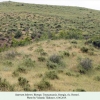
(19,21)
(49,48)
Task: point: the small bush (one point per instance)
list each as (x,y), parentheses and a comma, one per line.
(85,65)
(60,71)
(96,43)
(51,75)
(79,90)
(23,82)
(8,63)
(69,74)
(98,67)
(5,86)
(43,53)
(21,70)
(74,41)
(65,53)
(44,85)
(55,59)
(15,74)
(18,34)
(29,62)
(84,49)
(97,78)
(51,65)
(41,59)
(11,54)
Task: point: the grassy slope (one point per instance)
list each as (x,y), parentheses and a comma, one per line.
(31,16)
(40,19)
(37,73)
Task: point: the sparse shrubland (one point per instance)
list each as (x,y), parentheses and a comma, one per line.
(49,48)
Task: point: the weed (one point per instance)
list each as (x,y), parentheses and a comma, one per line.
(65,53)
(43,53)
(97,78)
(29,62)
(23,82)
(44,85)
(11,54)
(51,65)
(51,75)
(55,59)
(69,74)
(5,86)
(79,90)
(85,65)
(15,74)
(98,67)
(84,49)
(41,59)
(21,70)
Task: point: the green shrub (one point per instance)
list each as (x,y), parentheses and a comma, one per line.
(84,49)
(5,86)
(51,75)
(65,53)
(55,59)
(8,63)
(41,59)
(23,82)
(43,53)
(85,65)
(51,65)
(44,85)
(18,34)
(79,90)
(11,54)
(29,62)
(97,78)
(74,41)
(69,74)
(96,43)
(21,70)
(98,67)
(15,74)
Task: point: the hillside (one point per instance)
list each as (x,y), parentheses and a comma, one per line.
(49,48)
(19,21)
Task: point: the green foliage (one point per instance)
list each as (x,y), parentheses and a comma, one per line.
(21,70)
(96,43)
(18,34)
(97,78)
(23,82)
(79,90)
(98,67)
(85,65)
(29,62)
(5,86)
(21,42)
(15,74)
(55,58)
(65,53)
(44,85)
(11,54)
(84,49)
(51,65)
(51,75)
(69,74)
(41,59)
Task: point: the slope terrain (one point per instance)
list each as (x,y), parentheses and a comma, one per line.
(49,48)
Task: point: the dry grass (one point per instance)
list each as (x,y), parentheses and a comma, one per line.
(35,74)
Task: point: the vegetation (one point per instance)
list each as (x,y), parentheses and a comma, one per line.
(49,48)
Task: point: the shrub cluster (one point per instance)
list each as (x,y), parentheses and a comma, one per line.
(51,75)
(85,65)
